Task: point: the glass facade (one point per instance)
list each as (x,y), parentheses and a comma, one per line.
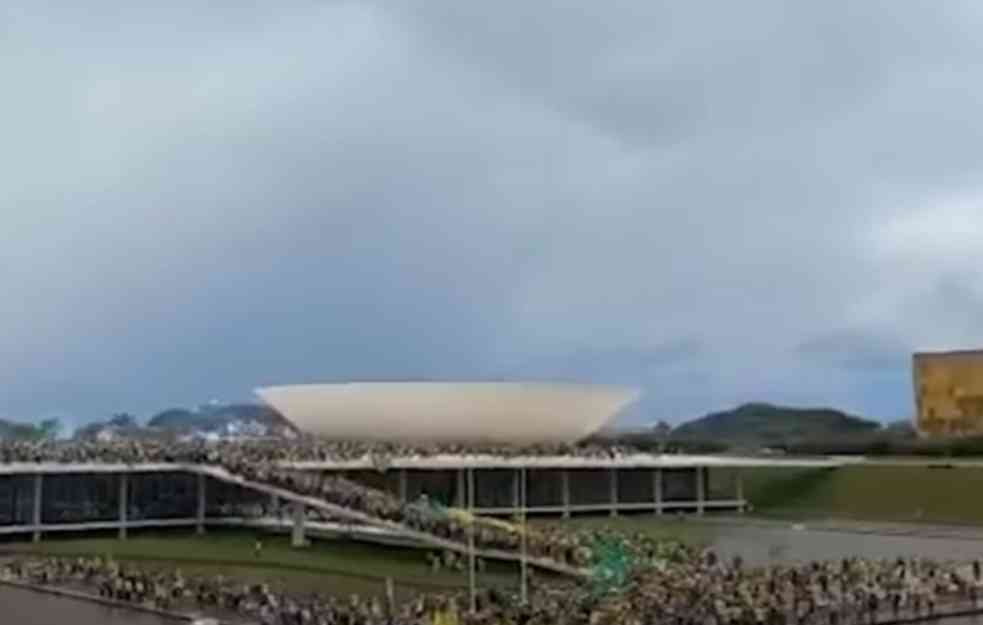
(16,499)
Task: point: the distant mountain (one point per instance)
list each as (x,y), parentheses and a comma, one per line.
(765,424)
(175,419)
(121,425)
(11,430)
(213,420)
(224,420)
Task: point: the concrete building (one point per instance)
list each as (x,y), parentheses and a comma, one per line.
(449,411)
(948,392)
(38,499)
(41,498)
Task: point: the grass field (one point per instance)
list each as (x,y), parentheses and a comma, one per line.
(898,494)
(868,493)
(330,567)
(661,528)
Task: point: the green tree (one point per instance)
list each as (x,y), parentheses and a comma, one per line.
(49,429)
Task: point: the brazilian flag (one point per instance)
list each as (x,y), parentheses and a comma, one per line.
(612,565)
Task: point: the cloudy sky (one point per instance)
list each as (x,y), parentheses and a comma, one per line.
(713,202)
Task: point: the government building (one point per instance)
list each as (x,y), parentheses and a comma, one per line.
(949,392)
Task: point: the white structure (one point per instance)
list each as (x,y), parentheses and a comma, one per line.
(449,411)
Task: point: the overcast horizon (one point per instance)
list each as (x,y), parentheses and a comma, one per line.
(715,203)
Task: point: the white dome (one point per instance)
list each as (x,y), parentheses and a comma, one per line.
(449,411)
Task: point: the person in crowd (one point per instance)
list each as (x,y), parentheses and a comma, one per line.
(691,588)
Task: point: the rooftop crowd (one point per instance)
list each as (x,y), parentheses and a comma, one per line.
(300,449)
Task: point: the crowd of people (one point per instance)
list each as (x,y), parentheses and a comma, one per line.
(299,449)
(266,461)
(555,543)
(665,582)
(241,601)
(677,586)
(854,590)
(220,597)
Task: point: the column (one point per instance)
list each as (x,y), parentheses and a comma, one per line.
(516,478)
(565,484)
(700,494)
(657,490)
(739,488)
(390,595)
(123,504)
(200,516)
(459,498)
(274,505)
(38,494)
(614,492)
(297,538)
(524,564)
(471,557)
(402,486)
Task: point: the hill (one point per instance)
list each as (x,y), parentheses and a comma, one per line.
(11,430)
(767,424)
(175,419)
(223,419)
(122,425)
(14,431)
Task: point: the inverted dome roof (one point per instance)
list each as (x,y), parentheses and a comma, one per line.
(449,411)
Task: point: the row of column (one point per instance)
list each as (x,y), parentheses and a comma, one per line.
(37,524)
(465,496)
(463,488)
(699,475)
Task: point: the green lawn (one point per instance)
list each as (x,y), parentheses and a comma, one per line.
(331,567)
(922,494)
(867,493)
(662,528)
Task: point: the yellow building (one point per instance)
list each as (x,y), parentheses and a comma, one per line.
(949,392)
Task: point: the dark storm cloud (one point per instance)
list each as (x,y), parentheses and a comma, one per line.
(696,199)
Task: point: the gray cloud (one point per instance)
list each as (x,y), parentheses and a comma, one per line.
(196,202)
(855,350)
(612,365)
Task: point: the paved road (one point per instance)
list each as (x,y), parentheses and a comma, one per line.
(26,607)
